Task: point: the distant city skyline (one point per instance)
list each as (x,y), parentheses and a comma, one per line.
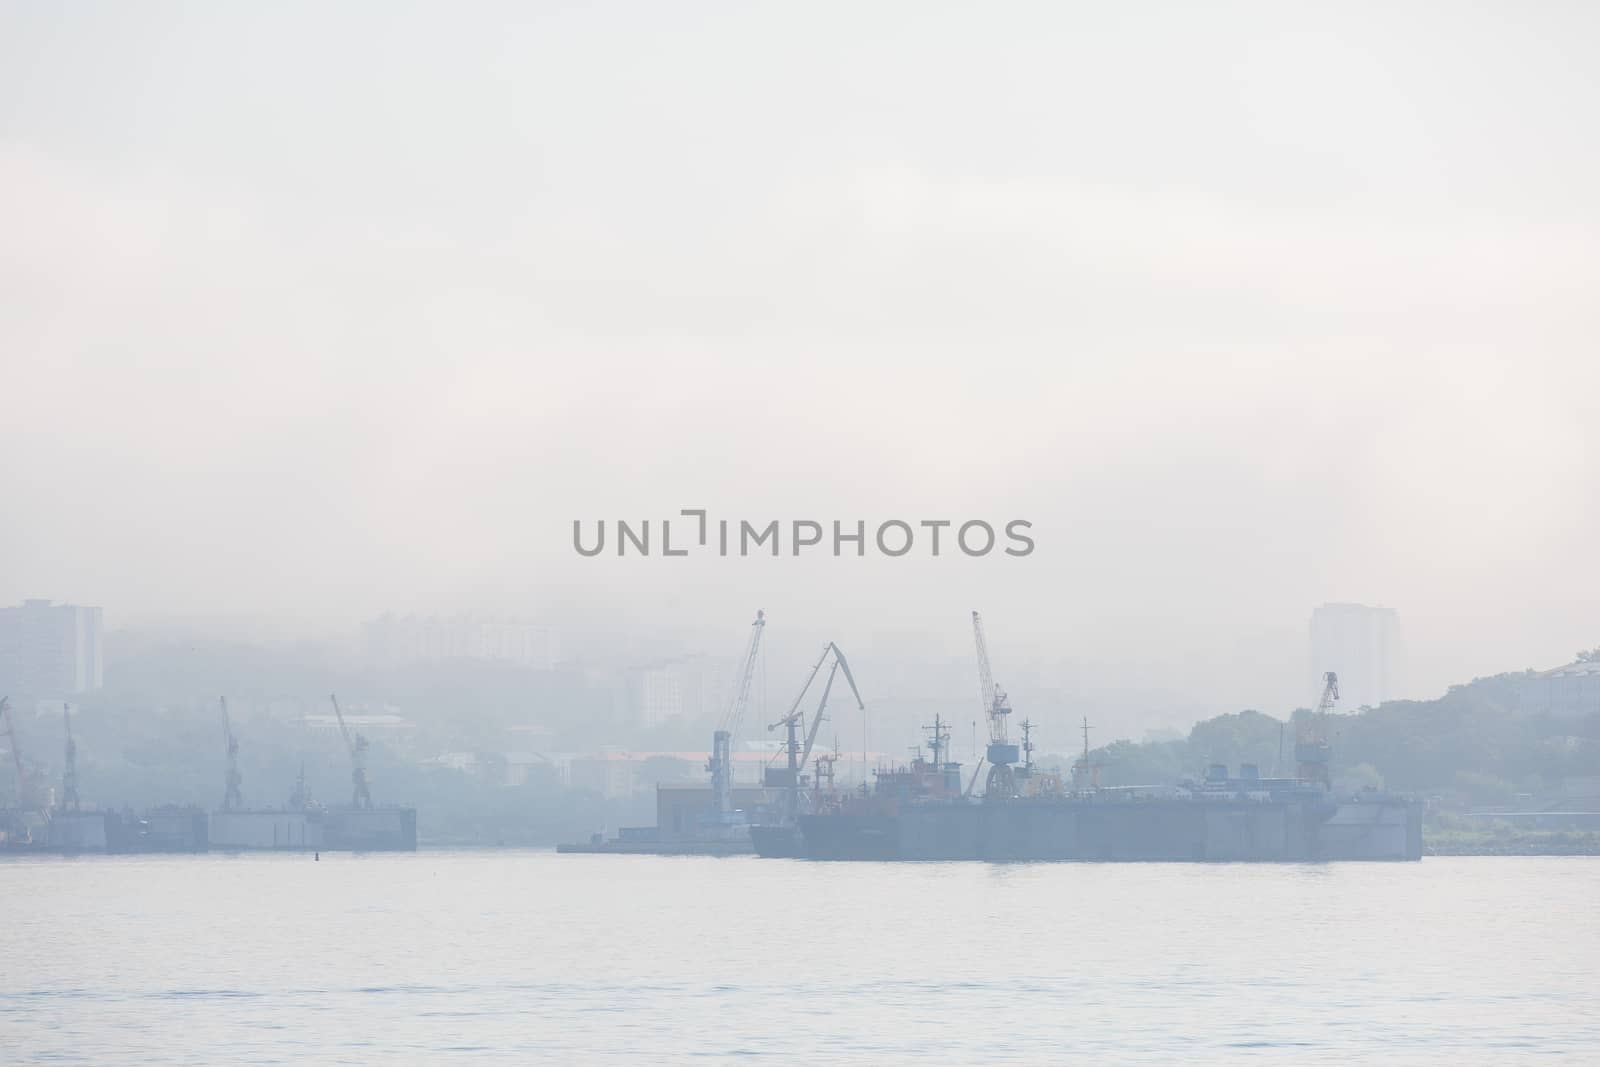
(1319,330)
(50,650)
(660,675)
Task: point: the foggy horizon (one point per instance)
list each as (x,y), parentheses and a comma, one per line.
(1242,322)
(406,409)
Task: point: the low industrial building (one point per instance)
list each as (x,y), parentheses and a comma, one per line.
(1572,691)
(682,811)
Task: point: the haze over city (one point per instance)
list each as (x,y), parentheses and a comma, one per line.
(358,703)
(1240,322)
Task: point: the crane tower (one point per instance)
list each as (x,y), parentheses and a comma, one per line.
(721,763)
(788,778)
(69,771)
(1311,748)
(1001,753)
(231,797)
(16,753)
(356,745)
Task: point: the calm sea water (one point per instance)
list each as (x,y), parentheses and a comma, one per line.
(522,957)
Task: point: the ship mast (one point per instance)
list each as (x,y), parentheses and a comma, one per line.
(1086,775)
(939,741)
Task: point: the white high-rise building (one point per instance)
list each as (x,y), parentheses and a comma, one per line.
(1361,644)
(50,650)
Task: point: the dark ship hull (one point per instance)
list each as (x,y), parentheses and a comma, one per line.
(1146,828)
(778,842)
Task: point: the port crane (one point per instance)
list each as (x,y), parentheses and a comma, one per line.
(361,796)
(16,753)
(300,799)
(721,763)
(231,797)
(788,778)
(1311,748)
(1001,753)
(69,770)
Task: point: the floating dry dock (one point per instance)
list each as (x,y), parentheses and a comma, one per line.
(188,829)
(381,829)
(913,815)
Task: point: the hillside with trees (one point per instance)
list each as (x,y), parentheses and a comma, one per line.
(1474,746)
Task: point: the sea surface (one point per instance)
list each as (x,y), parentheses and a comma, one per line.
(528,957)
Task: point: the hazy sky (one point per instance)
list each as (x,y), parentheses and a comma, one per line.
(310,311)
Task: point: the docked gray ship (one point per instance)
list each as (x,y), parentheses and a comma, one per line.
(919,813)
(923,812)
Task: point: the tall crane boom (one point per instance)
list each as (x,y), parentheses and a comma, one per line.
(795,721)
(1330,693)
(797,716)
(734,716)
(344,731)
(996,705)
(721,763)
(1312,752)
(232,798)
(1001,753)
(69,770)
(839,664)
(361,795)
(16,752)
(985,676)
